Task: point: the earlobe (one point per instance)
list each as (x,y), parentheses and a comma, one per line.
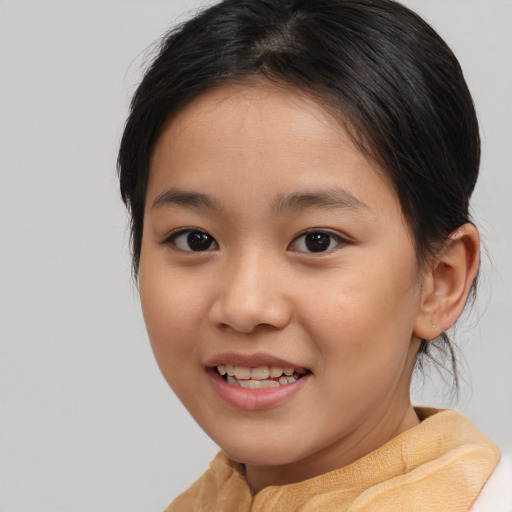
(448,283)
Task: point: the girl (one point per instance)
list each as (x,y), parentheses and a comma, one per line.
(298,175)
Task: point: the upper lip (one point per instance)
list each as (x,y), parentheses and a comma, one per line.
(251,361)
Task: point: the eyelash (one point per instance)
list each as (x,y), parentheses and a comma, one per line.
(174,236)
(208,240)
(333,237)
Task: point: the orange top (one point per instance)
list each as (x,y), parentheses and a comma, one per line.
(439,466)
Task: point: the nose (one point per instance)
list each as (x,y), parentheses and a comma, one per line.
(252,295)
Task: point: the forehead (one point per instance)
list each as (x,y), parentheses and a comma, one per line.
(255,111)
(260,132)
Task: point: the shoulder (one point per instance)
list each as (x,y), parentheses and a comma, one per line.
(496,496)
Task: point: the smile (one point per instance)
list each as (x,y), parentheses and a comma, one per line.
(256,381)
(259,377)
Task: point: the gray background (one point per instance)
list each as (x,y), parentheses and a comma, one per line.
(86,421)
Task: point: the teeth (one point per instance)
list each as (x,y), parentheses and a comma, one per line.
(287,380)
(275,371)
(242,372)
(252,384)
(258,384)
(232,381)
(258,378)
(260,373)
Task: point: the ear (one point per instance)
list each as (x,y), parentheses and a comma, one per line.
(447,284)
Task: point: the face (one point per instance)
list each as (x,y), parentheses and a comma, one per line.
(279,282)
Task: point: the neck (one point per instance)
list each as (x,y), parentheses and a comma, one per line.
(357,444)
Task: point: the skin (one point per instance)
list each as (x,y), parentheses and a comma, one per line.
(352,315)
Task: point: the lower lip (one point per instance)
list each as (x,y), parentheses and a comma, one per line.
(255,399)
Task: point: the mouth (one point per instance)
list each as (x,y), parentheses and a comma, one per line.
(259,377)
(258,381)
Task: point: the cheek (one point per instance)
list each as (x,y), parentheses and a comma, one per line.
(363,337)
(365,315)
(170,320)
(170,310)
(174,313)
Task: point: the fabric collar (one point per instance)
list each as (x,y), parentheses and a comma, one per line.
(440,465)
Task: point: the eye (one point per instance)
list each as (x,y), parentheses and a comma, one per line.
(316,241)
(192,240)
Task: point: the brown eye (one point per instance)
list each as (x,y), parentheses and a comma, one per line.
(193,240)
(316,242)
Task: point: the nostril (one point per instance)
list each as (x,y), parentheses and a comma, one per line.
(250,319)
(249,299)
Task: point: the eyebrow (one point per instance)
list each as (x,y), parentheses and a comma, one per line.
(325,198)
(194,200)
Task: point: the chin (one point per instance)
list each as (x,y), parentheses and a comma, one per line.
(261,454)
